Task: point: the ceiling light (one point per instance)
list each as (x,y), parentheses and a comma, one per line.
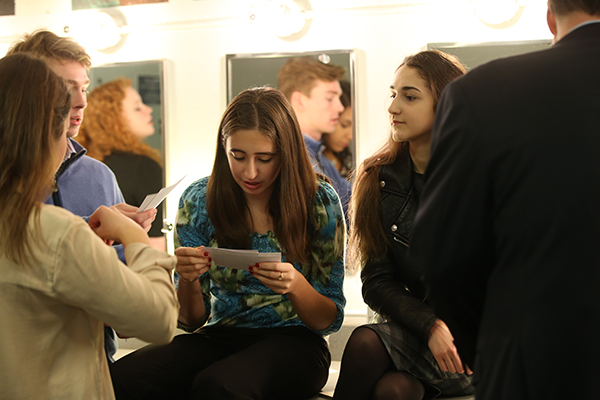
(499,14)
(281,18)
(104,31)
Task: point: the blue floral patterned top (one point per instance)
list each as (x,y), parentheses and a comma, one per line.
(234,297)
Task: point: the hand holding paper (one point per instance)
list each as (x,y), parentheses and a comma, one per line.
(240,259)
(153,200)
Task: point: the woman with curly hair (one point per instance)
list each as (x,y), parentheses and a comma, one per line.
(113,131)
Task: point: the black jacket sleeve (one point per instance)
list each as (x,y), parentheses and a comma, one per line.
(384,293)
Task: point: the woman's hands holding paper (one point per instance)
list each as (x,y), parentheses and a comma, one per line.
(111,225)
(279,277)
(191,263)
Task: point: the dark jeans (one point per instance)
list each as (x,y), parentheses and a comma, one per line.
(223,363)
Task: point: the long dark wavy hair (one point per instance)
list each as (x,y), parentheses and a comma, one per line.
(367,236)
(292,200)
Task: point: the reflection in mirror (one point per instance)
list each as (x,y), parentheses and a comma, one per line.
(473,54)
(147,78)
(252,70)
(123,127)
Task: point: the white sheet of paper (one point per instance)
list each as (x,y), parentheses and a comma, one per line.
(153,200)
(240,259)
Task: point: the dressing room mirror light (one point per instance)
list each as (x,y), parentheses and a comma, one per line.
(261,69)
(281,18)
(105,30)
(499,14)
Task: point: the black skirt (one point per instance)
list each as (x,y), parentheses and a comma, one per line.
(411,355)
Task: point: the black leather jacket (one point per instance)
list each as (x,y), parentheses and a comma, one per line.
(390,286)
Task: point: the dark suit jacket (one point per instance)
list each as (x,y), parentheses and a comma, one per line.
(508,230)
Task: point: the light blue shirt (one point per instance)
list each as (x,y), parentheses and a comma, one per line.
(322,165)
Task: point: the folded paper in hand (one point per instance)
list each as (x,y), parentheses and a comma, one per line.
(153,200)
(240,259)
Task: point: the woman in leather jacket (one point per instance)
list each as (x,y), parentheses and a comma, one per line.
(408,353)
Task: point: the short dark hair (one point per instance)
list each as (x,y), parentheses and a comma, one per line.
(563,7)
(346,97)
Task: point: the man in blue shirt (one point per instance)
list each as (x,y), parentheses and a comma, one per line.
(314,91)
(82,183)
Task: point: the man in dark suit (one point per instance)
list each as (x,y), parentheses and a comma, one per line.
(508,233)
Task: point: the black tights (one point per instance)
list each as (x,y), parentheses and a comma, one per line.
(224,363)
(368,372)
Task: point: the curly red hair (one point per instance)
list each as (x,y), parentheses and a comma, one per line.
(104,130)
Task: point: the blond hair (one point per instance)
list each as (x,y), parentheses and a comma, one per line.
(51,47)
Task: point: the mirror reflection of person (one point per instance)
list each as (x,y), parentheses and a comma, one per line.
(409,353)
(257,334)
(337,143)
(59,281)
(314,91)
(116,124)
(82,183)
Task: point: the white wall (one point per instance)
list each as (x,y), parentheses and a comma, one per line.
(195,36)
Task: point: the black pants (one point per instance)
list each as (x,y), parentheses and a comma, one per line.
(222,363)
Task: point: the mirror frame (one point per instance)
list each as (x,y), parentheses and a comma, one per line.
(161,63)
(162,66)
(472,55)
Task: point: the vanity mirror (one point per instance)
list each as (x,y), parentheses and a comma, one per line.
(147,78)
(251,70)
(474,54)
